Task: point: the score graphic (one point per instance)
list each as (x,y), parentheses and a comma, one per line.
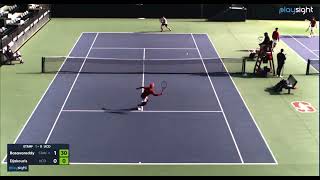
(20,156)
(63,156)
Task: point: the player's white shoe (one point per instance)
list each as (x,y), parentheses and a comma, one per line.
(139,108)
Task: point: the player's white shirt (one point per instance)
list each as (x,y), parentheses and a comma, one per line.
(164,21)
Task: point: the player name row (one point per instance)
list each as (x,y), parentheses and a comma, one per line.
(31,153)
(25,153)
(15,161)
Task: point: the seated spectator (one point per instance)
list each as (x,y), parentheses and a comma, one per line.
(267,43)
(13,56)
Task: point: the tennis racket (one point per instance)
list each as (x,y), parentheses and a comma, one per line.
(307,29)
(260,38)
(163,85)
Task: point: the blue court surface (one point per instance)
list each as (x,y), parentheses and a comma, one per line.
(200,118)
(305,47)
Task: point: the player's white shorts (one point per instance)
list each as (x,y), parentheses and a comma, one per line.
(274,41)
(311,29)
(145,99)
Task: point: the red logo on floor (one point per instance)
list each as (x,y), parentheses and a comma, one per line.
(303,107)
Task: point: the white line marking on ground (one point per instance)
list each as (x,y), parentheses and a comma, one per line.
(243,101)
(74,82)
(145,111)
(156,33)
(120,48)
(77,163)
(143,68)
(44,93)
(214,90)
(147,164)
(302,59)
(166,164)
(305,46)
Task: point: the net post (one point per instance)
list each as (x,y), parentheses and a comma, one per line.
(308,67)
(42,65)
(244,61)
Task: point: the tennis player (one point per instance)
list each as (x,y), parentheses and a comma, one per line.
(164,22)
(148,90)
(312,26)
(275,38)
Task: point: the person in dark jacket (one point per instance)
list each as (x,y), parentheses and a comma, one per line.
(281,59)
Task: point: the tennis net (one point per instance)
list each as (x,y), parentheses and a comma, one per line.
(54,64)
(314,63)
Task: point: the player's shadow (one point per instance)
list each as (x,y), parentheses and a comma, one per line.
(119,111)
(244,50)
(271,91)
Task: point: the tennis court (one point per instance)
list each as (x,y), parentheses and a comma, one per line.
(201,117)
(78,89)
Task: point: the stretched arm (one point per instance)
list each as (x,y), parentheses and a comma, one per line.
(141,87)
(155,94)
(158,94)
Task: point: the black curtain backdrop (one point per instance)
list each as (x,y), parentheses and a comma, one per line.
(254,11)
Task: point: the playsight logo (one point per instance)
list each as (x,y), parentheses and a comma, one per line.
(295,10)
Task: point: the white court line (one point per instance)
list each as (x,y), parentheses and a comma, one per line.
(74,82)
(66,57)
(146,111)
(120,48)
(166,164)
(305,46)
(302,58)
(214,90)
(173,59)
(24,126)
(147,164)
(143,70)
(75,163)
(234,84)
(164,33)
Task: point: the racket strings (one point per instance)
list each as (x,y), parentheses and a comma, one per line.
(163,85)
